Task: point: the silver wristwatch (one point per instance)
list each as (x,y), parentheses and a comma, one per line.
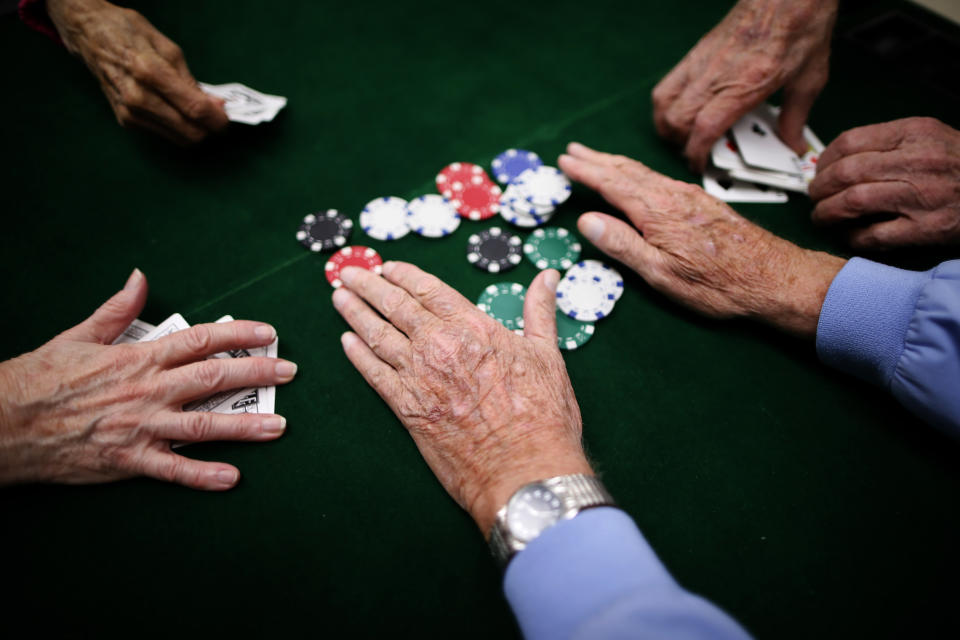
(539,505)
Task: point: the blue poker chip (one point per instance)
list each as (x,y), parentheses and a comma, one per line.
(512,162)
(432,216)
(588,291)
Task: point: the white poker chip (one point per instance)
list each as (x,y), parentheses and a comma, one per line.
(543,186)
(385,218)
(518,213)
(603,273)
(432,216)
(585,296)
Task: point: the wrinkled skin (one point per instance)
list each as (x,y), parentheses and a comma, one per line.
(758,48)
(696,249)
(489,410)
(142,73)
(80,410)
(896,184)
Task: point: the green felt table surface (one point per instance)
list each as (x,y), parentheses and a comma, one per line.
(803,502)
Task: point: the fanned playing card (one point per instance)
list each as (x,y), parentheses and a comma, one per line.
(244,104)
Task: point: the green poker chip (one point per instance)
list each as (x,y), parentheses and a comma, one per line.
(572,333)
(552,248)
(504,303)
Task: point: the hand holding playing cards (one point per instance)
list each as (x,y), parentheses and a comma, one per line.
(142,72)
(79,410)
(899,182)
(489,410)
(696,249)
(759,47)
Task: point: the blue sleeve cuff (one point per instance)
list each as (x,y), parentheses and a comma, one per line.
(595,576)
(865,317)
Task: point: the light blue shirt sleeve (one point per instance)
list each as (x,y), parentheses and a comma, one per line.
(901,330)
(595,577)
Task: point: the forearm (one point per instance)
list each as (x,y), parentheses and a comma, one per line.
(596,577)
(901,330)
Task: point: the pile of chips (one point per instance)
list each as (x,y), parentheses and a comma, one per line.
(529,197)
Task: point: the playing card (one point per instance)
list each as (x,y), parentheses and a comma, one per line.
(137,329)
(251,400)
(761,147)
(725,155)
(169,326)
(720,185)
(244,104)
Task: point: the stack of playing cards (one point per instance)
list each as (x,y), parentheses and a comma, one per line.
(244,104)
(751,164)
(253,400)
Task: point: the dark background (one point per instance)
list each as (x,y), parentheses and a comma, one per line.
(803,502)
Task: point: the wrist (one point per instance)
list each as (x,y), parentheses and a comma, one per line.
(69,16)
(507,478)
(799,288)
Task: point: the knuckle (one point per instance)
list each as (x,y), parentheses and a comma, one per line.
(858,198)
(199,426)
(195,109)
(210,374)
(429,288)
(198,339)
(133,97)
(377,336)
(394,301)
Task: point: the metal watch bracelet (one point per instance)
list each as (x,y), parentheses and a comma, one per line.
(576,492)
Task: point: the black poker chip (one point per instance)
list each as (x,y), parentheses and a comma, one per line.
(324,231)
(494,250)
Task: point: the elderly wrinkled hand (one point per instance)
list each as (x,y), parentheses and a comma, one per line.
(758,48)
(488,409)
(895,184)
(142,72)
(696,249)
(81,410)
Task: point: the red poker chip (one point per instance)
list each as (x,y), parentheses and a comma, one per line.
(456,175)
(478,200)
(355,256)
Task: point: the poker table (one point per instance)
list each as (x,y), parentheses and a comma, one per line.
(803,502)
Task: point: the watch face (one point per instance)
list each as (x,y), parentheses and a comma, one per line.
(532,510)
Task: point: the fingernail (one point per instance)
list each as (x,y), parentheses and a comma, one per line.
(574,145)
(286,369)
(133,280)
(388,267)
(564,158)
(347,339)
(265,332)
(339,297)
(551,279)
(274,425)
(227,477)
(592,227)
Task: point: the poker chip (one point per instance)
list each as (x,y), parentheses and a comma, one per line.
(610,277)
(543,186)
(504,303)
(324,231)
(572,333)
(514,211)
(512,162)
(585,295)
(479,199)
(385,218)
(455,175)
(494,250)
(355,256)
(432,216)
(552,248)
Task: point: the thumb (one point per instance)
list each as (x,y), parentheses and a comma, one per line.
(620,241)
(540,307)
(798,97)
(114,315)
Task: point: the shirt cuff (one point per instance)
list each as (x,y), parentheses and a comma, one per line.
(33,13)
(865,317)
(576,568)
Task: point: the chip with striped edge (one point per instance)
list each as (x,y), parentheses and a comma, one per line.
(354,256)
(494,250)
(552,248)
(504,303)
